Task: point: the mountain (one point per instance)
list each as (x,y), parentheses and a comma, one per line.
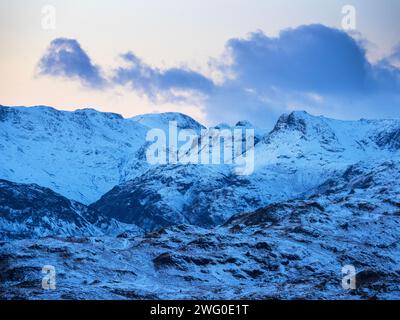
(161,120)
(299,154)
(292,249)
(99,159)
(80,154)
(324,194)
(31,211)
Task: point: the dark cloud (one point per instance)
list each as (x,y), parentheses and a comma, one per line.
(313,67)
(66,58)
(308,58)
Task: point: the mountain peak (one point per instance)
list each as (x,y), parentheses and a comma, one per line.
(244,123)
(222,125)
(296,120)
(160,120)
(94,112)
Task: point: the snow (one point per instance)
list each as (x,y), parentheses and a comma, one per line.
(324,194)
(300,153)
(80,154)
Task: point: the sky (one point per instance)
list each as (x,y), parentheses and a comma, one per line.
(215,60)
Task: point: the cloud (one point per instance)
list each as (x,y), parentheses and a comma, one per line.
(308,58)
(394,58)
(313,67)
(65,58)
(153,82)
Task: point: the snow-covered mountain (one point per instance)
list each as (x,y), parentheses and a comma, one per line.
(87,155)
(80,154)
(161,120)
(324,194)
(301,152)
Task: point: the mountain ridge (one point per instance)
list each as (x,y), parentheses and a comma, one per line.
(97,158)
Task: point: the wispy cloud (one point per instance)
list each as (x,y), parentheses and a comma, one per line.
(154,82)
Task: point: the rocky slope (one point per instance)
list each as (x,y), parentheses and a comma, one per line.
(288,250)
(28,211)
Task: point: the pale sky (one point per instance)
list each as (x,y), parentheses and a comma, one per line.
(163,34)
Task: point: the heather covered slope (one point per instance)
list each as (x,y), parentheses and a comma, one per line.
(287,250)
